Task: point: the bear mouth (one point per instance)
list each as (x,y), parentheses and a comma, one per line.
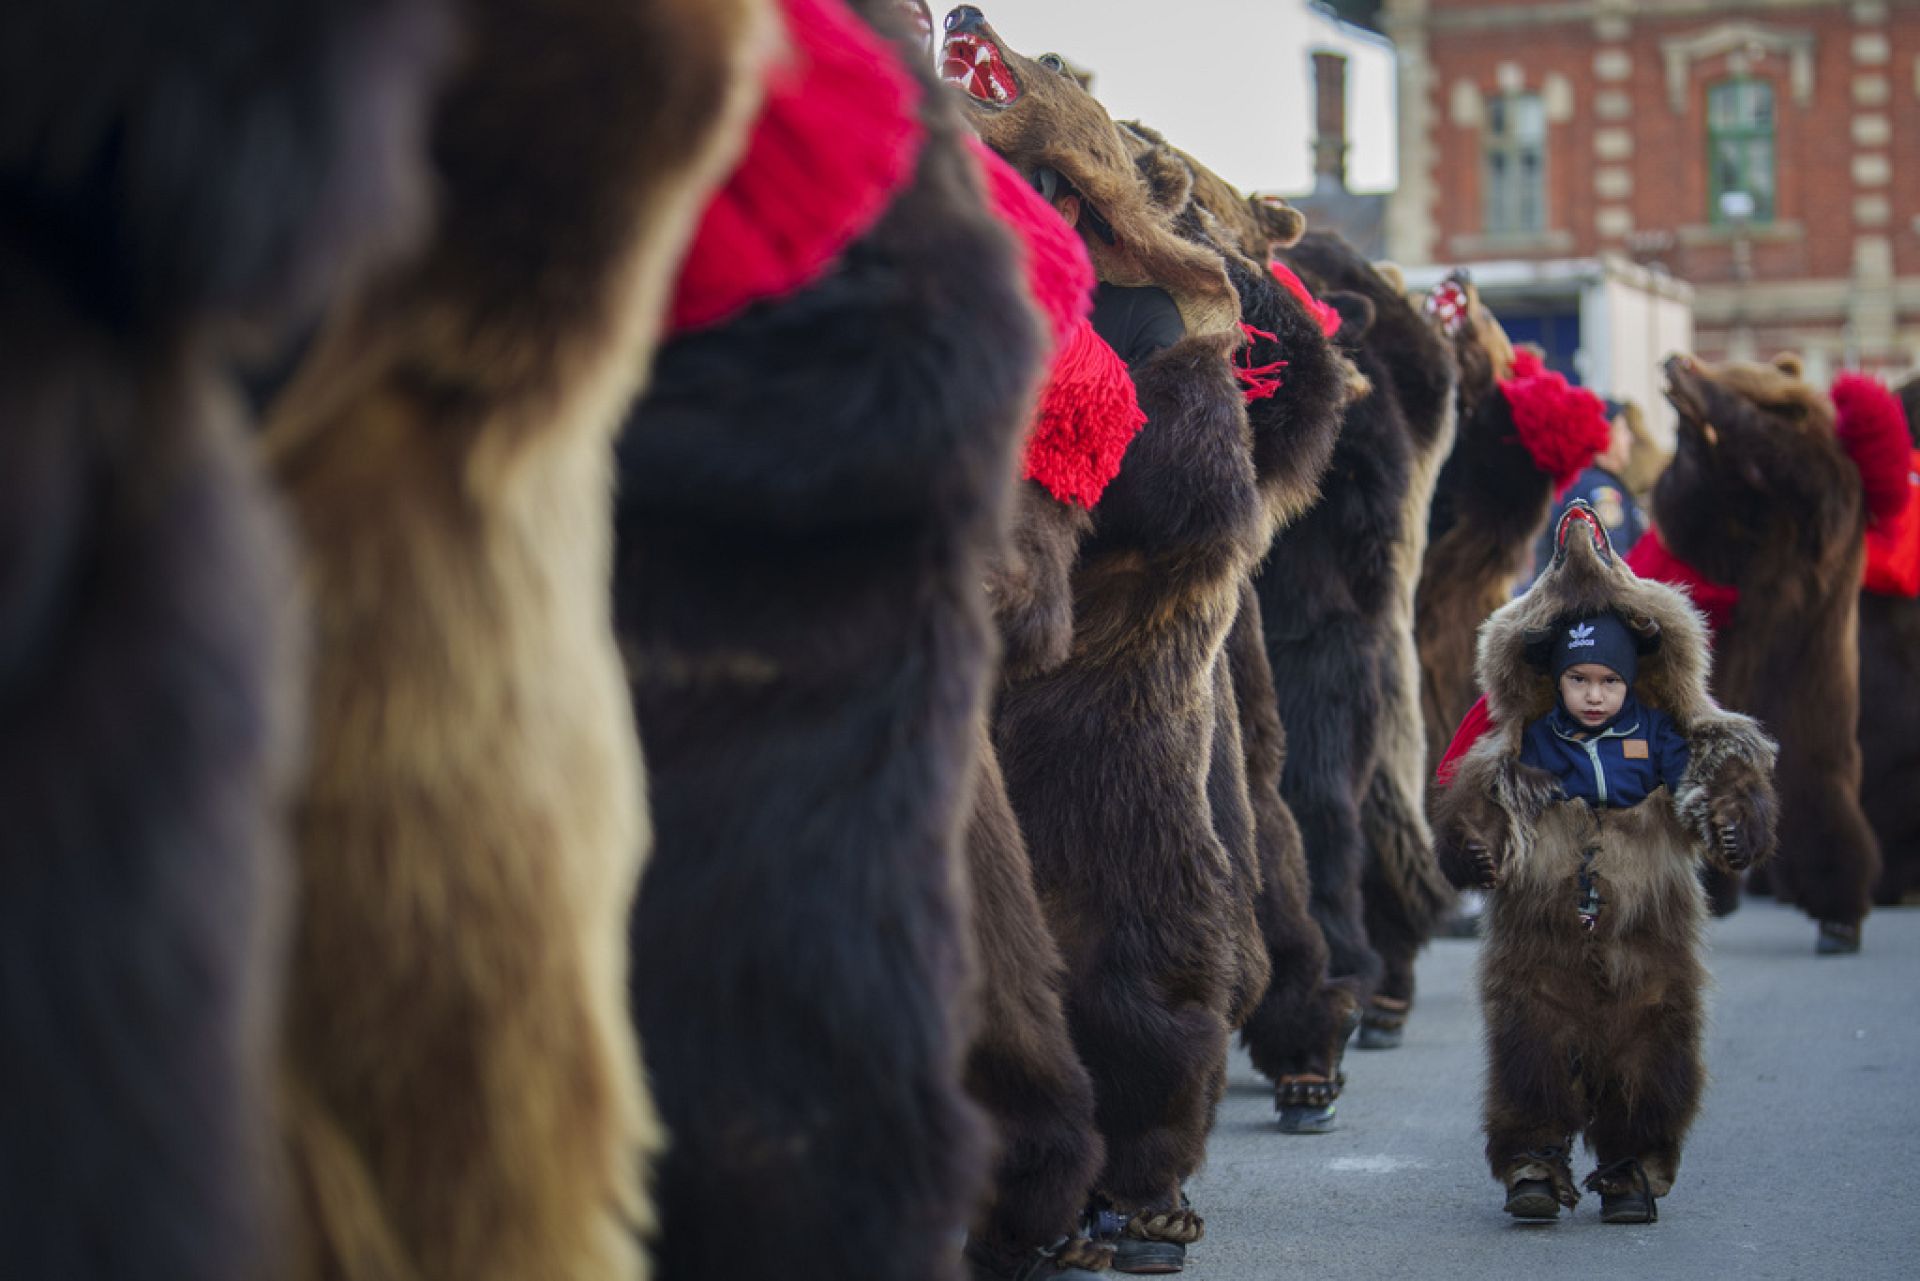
(1684,393)
(974,65)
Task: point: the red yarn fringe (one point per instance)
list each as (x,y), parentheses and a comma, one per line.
(837,138)
(1561,426)
(1323,313)
(1089,414)
(1258,382)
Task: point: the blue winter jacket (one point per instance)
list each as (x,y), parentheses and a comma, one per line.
(1616,765)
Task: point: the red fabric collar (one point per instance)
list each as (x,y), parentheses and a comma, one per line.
(1652,559)
(836,141)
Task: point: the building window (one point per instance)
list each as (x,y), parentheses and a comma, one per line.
(1740,151)
(1516,189)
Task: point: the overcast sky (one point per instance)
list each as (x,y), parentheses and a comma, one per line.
(1228,80)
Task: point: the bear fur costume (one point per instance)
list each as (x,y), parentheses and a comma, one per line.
(464,1092)
(1889,715)
(1021,1065)
(149,655)
(1596,1030)
(1105,757)
(1402,890)
(1489,507)
(1295,383)
(1760,496)
(810,496)
(1329,597)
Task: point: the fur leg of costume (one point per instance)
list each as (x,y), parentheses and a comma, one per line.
(810,496)
(184,187)
(472,822)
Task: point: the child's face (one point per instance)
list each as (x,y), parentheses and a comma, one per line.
(1591,693)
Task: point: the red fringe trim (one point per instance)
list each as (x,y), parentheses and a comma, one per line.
(1258,382)
(1089,414)
(837,139)
(1323,313)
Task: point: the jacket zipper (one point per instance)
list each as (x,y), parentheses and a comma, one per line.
(1593,754)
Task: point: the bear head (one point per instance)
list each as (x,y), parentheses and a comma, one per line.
(1037,115)
(1758,480)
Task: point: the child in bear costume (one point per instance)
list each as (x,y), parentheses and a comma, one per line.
(1586,814)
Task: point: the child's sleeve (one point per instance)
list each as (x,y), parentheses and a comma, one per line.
(1674,753)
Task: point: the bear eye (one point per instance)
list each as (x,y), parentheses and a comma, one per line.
(1053,62)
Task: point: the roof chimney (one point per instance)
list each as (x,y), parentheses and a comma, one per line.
(1330,117)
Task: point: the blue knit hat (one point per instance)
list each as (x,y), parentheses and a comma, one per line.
(1602,639)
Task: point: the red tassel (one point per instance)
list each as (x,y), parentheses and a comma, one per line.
(1561,426)
(1323,314)
(1089,413)
(1262,381)
(1873,429)
(837,138)
(1893,544)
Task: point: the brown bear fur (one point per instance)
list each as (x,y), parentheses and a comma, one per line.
(1330,596)
(1760,495)
(811,496)
(1022,1065)
(184,185)
(464,1092)
(1596,1031)
(1489,506)
(1889,715)
(1105,757)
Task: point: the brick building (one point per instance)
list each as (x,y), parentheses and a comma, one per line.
(1767,154)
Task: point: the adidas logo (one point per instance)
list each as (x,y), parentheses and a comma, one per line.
(1581,636)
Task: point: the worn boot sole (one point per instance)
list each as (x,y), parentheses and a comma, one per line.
(1303,1120)
(1148,1258)
(1625,1207)
(1533,1205)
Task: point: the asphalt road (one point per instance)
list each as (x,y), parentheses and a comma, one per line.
(1805,1162)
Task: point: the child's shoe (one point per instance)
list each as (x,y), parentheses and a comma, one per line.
(1532,1199)
(1625,1194)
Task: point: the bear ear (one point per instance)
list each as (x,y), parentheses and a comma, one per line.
(1282,223)
(1646,633)
(1789,364)
(1356,315)
(1391,273)
(1169,181)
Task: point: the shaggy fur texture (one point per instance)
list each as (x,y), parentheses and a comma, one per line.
(180,187)
(1596,1031)
(463,1087)
(1106,757)
(810,495)
(1022,1066)
(1489,505)
(1889,715)
(1761,496)
(1329,597)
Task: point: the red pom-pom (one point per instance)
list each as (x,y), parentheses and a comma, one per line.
(837,138)
(1873,429)
(1323,313)
(1089,414)
(1059,273)
(1562,426)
